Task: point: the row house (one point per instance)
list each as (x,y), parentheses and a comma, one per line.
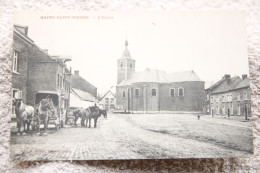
(229,97)
(34,70)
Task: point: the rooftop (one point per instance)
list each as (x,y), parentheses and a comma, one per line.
(158,76)
(231,84)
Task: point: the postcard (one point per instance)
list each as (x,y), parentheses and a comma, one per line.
(130,85)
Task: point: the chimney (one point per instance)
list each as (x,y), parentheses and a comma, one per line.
(227,76)
(76,72)
(26,30)
(244,76)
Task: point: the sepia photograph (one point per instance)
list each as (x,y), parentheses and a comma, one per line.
(130,85)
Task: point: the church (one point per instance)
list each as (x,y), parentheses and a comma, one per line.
(155,91)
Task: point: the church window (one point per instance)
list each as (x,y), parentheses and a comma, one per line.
(172,92)
(181,92)
(131,65)
(123,94)
(121,64)
(137,92)
(153,92)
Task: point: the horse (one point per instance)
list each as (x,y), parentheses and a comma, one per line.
(24,114)
(45,111)
(79,113)
(94,112)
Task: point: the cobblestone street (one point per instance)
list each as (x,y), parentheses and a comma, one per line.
(136,136)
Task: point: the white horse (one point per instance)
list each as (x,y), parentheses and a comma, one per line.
(24,115)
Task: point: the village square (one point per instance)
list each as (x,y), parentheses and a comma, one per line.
(59,115)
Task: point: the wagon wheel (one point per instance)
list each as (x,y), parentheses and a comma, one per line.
(57,126)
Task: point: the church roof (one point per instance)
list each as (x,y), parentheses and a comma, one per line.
(158,76)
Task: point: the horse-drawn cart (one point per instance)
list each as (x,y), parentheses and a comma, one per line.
(53,114)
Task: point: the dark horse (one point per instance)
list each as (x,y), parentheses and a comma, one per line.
(45,111)
(24,114)
(79,113)
(93,112)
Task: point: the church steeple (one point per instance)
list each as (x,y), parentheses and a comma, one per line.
(126,43)
(125,65)
(126,53)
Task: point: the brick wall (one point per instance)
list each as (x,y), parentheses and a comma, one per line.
(194,97)
(19,80)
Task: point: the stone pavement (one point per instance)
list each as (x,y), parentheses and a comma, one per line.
(136,137)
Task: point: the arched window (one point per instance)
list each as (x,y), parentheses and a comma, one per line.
(121,64)
(123,94)
(172,92)
(153,92)
(181,92)
(131,65)
(137,92)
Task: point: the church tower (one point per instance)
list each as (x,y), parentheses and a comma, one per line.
(125,65)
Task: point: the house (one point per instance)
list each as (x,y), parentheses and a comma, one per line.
(230,96)
(80,83)
(21,51)
(154,90)
(81,99)
(34,70)
(108,100)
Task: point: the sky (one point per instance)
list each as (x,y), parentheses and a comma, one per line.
(211,43)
